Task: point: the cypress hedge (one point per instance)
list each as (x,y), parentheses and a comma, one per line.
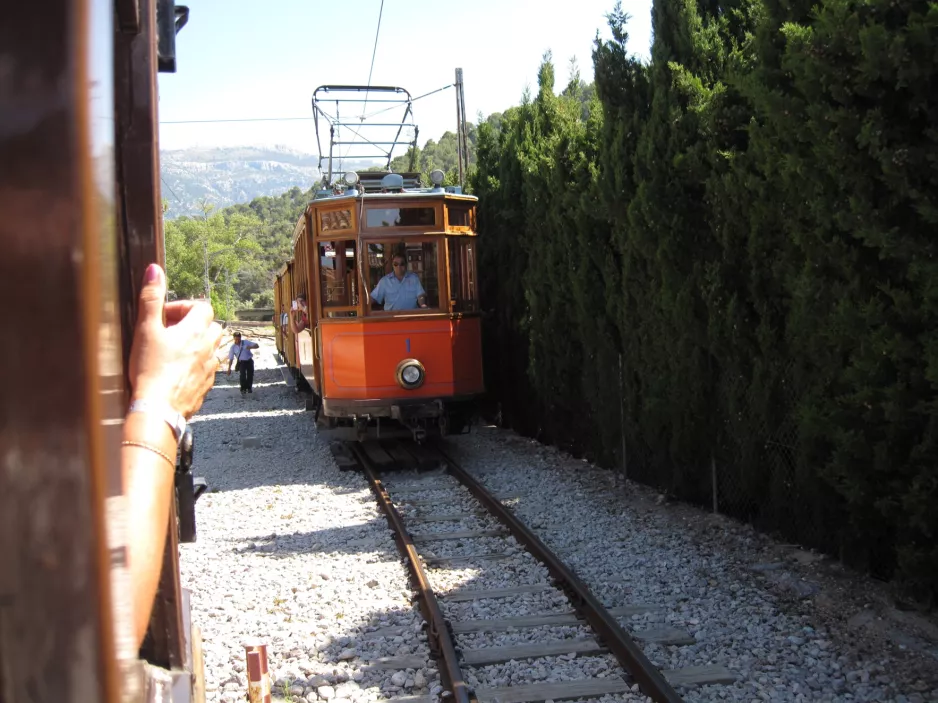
(726,254)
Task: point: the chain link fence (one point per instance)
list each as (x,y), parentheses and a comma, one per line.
(753,469)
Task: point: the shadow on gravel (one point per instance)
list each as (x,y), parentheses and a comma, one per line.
(336,614)
(365,639)
(367,538)
(233,386)
(264,438)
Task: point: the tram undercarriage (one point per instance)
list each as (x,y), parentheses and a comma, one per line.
(417,420)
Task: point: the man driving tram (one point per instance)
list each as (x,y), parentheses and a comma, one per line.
(401,289)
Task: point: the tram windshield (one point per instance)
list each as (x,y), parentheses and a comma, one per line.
(405,287)
(400,217)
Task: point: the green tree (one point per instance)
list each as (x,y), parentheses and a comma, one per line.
(845,101)
(741,227)
(278,217)
(746,222)
(205,256)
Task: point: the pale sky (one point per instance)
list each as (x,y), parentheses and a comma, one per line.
(238,59)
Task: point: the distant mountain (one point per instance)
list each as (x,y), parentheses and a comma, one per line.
(226,176)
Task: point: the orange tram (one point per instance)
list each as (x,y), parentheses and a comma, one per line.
(379,357)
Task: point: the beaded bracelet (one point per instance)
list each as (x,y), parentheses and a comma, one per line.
(128,443)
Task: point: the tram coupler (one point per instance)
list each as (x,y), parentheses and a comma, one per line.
(188,489)
(361,427)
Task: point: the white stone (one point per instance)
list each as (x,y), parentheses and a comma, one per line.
(301,589)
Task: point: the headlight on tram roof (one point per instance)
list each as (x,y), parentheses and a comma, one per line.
(351,178)
(410,374)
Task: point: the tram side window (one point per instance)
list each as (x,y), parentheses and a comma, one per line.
(337,219)
(457,216)
(400,294)
(338,278)
(462,274)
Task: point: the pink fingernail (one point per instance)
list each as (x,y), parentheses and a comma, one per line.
(153,274)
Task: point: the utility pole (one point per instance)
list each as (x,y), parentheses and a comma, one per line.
(462,131)
(465,125)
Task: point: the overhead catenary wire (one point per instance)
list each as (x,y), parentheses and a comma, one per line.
(374,53)
(432,92)
(291,119)
(241,119)
(170,189)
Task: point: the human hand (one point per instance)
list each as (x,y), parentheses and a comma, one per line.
(173,361)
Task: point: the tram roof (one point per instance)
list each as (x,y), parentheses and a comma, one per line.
(421,193)
(328,198)
(381,185)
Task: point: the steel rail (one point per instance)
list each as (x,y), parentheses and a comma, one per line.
(440,638)
(615,638)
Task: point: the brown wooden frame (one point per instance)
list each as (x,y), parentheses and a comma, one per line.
(77,238)
(470,205)
(140,226)
(363,235)
(314,254)
(351,205)
(449,238)
(442,275)
(436,204)
(290,341)
(278,313)
(63,387)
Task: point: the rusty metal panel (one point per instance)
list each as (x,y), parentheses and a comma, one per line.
(259,688)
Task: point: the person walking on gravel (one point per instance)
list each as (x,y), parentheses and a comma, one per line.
(245,367)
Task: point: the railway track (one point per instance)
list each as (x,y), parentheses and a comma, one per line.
(442,518)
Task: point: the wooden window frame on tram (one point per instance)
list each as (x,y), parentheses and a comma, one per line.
(438,214)
(442,275)
(460,205)
(362,235)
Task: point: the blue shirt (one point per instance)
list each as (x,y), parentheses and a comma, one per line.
(242,351)
(397,294)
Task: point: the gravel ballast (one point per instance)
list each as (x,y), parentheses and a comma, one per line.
(296,553)
(789,624)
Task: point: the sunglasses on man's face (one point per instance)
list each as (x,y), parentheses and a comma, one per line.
(398,264)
